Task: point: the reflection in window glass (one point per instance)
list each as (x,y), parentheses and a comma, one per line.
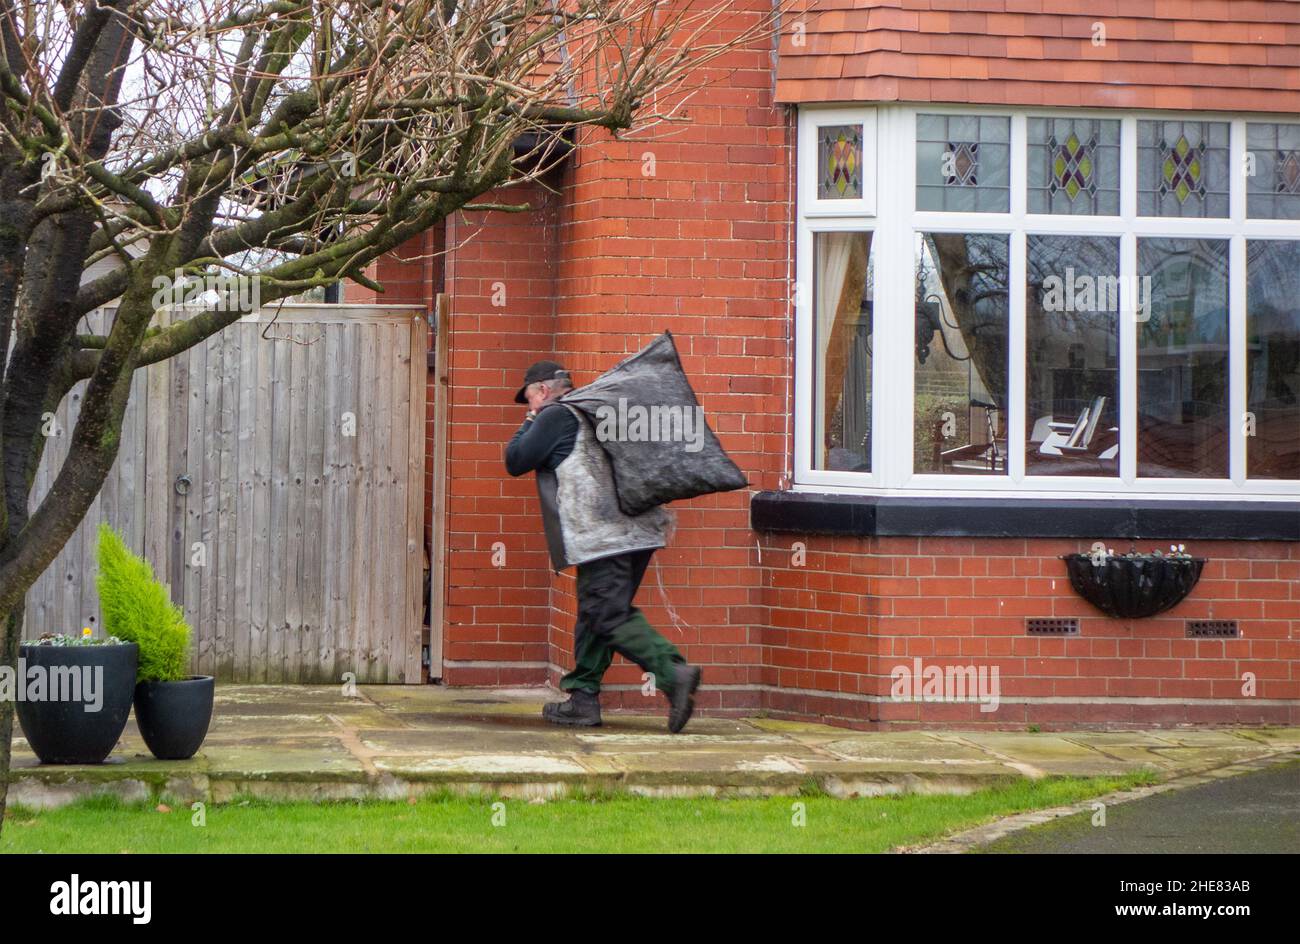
(1273,186)
(1273,359)
(962,310)
(1074,166)
(963,163)
(1072,306)
(1183,359)
(842,301)
(1183,168)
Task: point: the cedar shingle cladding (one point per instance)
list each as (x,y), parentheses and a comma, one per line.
(1210,55)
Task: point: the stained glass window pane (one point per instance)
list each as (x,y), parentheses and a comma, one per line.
(1183,168)
(1272,425)
(1183,358)
(963,163)
(1273,189)
(839,162)
(1074,166)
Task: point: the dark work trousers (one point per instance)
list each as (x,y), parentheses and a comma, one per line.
(609,623)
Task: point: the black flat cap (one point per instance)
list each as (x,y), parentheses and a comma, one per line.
(542,370)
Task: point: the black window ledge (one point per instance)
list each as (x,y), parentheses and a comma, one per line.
(869,515)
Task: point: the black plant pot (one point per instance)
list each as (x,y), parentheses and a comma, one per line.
(173,717)
(64,731)
(1133,587)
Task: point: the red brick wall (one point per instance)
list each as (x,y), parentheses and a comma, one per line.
(410,275)
(857,608)
(500,282)
(692,239)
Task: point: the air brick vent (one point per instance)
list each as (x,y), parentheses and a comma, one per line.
(1052,626)
(1213,629)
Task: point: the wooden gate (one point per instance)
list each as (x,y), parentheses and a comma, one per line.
(274,477)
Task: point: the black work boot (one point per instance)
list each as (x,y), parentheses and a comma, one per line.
(686,679)
(582,709)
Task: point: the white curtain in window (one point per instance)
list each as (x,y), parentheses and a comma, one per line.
(834,251)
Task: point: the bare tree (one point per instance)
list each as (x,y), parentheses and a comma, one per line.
(286,143)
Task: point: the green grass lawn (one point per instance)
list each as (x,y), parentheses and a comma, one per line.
(609,824)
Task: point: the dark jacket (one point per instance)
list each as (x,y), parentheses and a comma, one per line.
(580,511)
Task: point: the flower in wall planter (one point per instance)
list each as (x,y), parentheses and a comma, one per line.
(172,708)
(1134,585)
(73,695)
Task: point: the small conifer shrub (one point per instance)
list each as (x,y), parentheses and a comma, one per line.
(138,609)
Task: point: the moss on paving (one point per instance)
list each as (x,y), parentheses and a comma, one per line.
(447,823)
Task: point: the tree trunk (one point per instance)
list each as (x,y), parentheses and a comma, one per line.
(11,628)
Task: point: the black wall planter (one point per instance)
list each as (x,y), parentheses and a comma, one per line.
(1133,587)
(63,732)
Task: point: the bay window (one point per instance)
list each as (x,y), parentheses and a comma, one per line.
(1046,302)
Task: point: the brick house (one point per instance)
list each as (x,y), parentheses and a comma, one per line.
(1068,228)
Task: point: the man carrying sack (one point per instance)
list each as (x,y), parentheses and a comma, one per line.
(586,527)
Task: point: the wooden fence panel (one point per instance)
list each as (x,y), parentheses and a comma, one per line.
(270,476)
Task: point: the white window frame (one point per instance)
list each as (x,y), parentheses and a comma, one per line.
(895,221)
(808,199)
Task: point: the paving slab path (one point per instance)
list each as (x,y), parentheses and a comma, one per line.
(316,742)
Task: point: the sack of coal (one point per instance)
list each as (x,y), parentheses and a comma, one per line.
(649,422)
